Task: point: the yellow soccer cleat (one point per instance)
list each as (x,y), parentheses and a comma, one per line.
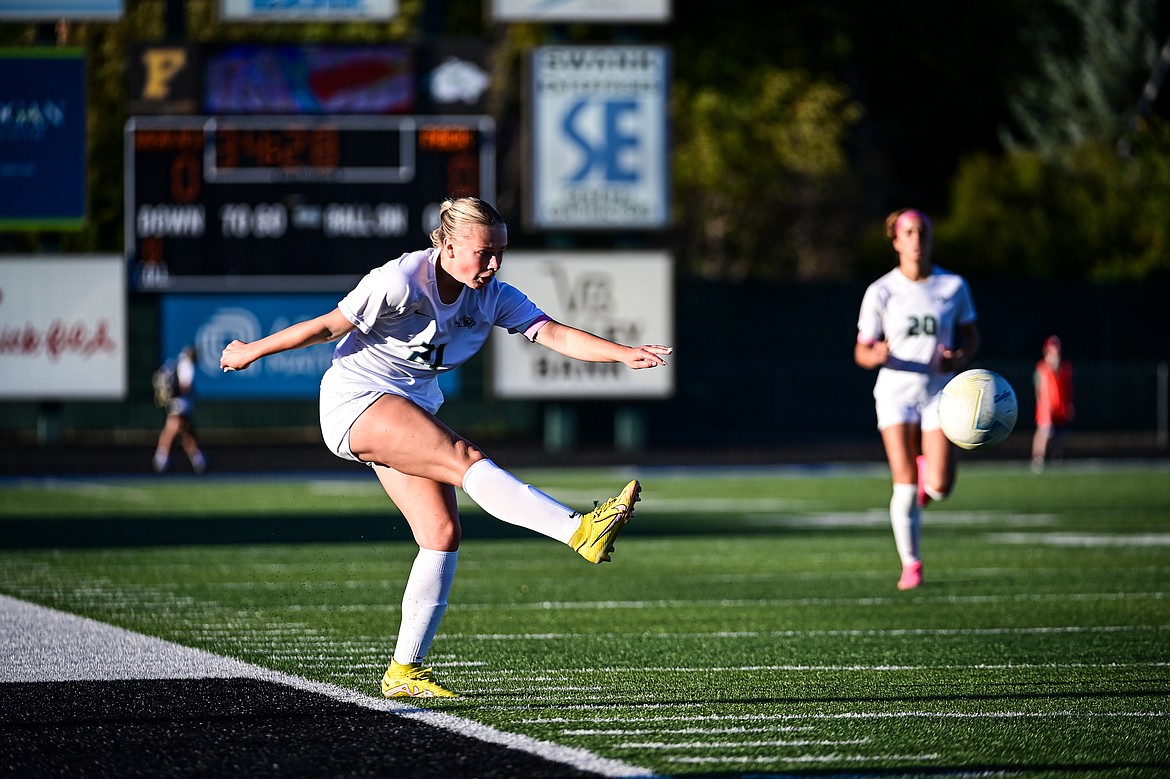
(600,527)
(412,681)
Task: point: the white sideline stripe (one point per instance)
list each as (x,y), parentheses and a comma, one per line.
(39,644)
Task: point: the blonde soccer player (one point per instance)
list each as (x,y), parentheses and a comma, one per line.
(403,325)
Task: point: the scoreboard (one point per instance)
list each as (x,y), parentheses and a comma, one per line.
(282,203)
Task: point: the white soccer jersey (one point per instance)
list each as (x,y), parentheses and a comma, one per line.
(406,336)
(915,318)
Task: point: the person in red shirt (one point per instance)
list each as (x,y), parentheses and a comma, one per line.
(1053,380)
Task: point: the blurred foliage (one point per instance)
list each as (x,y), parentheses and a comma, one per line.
(1079,184)
(1089,214)
(1090,57)
(1084,190)
(738,206)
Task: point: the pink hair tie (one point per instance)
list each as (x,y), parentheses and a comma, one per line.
(913,212)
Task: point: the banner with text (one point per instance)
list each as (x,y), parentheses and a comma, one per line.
(626,297)
(42,139)
(600,137)
(63,328)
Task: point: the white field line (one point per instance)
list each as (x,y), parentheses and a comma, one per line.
(636,718)
(542,693)
(1091,540)
(881,518)
(43,644)
(470,579)
(659,718)
(739,634)
(1088,597)
(672,731)
(836,758)
(97,490)
(862,668)
(660,745)
(732,505)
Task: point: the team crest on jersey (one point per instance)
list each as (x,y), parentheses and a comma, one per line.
(465,321)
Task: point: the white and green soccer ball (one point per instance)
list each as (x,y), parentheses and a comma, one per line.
(977,409)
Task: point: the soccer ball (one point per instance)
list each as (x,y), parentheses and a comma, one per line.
(977,409)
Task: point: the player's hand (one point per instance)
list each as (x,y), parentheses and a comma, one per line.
(234,357)
(880,351)
(951,360)
(648,356)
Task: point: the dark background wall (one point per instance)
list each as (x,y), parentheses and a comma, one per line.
(756,364)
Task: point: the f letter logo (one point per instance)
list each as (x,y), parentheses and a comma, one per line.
(161,65)
(162,78)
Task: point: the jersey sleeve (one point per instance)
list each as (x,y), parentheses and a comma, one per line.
(516,313)
(965,305)
(383,289)
(869,321)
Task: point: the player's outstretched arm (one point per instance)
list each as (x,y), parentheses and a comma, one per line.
(581,345)
(238,355)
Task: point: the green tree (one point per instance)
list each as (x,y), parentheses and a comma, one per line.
(1092,215)
(1091,58)
(1063,202)
(756,169)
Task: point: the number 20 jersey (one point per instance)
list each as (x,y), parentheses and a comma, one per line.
(915,318)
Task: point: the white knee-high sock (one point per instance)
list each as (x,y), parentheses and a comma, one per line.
(505,497)
(906,520)
(423,603)
(934,494)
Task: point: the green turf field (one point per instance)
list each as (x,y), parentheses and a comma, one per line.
(748,625)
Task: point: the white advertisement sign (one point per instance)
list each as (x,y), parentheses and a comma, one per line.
(63,328)
(626,297)
(602,11)
(306,10)
(600,137)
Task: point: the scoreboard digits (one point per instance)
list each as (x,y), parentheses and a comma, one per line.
(284,149)
(280,203)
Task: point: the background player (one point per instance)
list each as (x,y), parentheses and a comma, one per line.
(180,421)
(917,327)
(1053,382)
